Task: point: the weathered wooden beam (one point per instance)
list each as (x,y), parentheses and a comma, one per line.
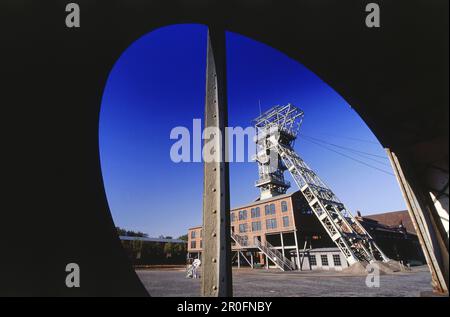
(216,279)
(426,222)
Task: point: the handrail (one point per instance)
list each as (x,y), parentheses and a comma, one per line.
(281,260)
(281,255)
(268,249)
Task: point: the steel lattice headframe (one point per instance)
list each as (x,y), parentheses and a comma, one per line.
(287,118)
(277,130)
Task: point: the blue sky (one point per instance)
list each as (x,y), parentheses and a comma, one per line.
(158,83)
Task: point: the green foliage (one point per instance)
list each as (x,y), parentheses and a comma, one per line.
(183,237)
(130,233)
(148,253)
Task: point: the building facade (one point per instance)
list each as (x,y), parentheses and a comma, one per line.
(283,223)
(395,235)
(195,242)
(286,225)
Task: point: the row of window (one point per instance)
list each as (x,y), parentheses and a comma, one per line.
(270,224)
(194,244)
(255,212)
(194,234)
(312,258)
(324,260)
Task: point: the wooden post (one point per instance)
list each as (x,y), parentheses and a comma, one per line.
(426,220)
(303,253)
(216,280)
(299,265)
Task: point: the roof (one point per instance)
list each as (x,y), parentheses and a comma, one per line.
(318,250)
(145,239)
(394,219)
(324,250)
(196,227)
(259,201)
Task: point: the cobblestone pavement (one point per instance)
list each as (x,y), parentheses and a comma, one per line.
(261,283)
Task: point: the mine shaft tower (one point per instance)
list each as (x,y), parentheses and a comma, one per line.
(276,132)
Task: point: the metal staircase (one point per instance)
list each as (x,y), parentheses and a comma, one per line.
(273,254)
(277,134)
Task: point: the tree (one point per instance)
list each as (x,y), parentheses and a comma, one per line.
(130,233)
(183,237)
(168,249)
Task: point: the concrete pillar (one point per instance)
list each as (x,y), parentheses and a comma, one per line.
(282,244)
(426,219)
(239,259)
(216,279)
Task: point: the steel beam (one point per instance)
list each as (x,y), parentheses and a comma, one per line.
(216,279)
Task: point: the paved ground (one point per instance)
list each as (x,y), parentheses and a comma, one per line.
(260,283)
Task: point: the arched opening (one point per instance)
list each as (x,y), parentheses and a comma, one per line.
(396,78)
(158,84)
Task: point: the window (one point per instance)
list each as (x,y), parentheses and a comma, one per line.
(337,260)
(324,259)
(286,221)
(271,223)
(201,233)
(256,226)
(193,244)
(269,209)
(201,244)
(243,227)
(284,207)
(232,216)
(193,234)
(313,260)
(255,212)
(242,214)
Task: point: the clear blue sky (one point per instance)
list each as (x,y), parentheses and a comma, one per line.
(159,83)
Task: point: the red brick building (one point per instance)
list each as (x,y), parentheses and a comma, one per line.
(395,234)
(283,232)
(195,242)
(283,223)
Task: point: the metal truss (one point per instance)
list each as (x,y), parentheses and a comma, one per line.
(280,131)
(288,119)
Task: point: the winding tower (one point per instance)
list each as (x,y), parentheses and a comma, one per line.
(276,132)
